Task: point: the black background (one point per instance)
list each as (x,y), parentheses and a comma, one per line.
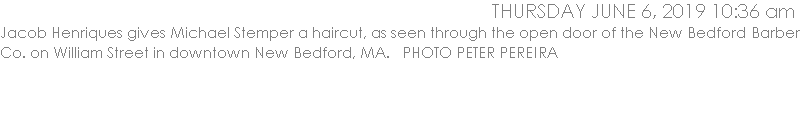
(585,69)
